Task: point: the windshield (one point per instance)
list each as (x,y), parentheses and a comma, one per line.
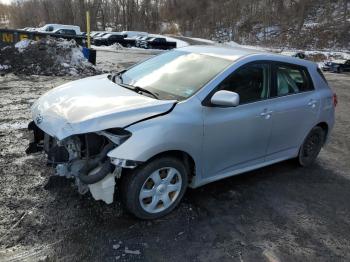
(175,74)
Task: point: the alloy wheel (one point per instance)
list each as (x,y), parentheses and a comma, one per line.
(160,190)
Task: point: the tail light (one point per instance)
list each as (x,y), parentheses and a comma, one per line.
(335,100)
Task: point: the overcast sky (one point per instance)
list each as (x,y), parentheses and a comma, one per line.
(6,1)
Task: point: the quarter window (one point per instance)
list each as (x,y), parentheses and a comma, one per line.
(251,82)
(292,80)
(322,75)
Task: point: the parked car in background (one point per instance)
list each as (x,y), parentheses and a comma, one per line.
(132,37)
(69,32)
(131,34)
(95,33)
(141,41)
(129,41)
(157,43)
(51,28)
(108,39)
(100,34)
(30,29)
(337,66)
(248,109)
(300,55)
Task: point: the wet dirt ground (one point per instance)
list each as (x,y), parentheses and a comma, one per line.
(277,213)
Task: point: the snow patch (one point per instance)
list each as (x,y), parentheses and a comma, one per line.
(48,56)
(207,41)
(22,45)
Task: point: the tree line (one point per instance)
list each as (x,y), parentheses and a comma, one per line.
(321,23)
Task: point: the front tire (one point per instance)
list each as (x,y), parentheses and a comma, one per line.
(153,190)
(311,147)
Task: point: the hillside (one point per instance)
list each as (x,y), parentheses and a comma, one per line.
(321,24)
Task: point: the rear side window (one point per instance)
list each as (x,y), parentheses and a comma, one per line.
(292,80)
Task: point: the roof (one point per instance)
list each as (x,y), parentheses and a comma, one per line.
(230,53)
(237,52)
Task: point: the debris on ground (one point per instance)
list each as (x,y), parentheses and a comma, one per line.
(48,56)
(132,252)
(116,246)
(270,256)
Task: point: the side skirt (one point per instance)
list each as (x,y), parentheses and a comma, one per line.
(237,172)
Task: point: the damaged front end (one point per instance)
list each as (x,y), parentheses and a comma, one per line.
(84,157)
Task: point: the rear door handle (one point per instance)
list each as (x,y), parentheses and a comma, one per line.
(312,103)
(266,113)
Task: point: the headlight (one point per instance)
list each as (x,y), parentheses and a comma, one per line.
(117,135)
(124,163)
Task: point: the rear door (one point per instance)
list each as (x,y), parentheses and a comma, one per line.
(295,109)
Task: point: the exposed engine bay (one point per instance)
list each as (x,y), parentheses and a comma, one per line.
(84,157)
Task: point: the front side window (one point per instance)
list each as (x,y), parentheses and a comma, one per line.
(292,80)
(251,82)
(175,74)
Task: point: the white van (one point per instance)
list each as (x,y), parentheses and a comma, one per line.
(51,28)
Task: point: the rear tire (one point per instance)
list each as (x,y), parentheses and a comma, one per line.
(311,147)
(153,190)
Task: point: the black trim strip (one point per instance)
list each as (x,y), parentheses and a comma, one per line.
(154,116)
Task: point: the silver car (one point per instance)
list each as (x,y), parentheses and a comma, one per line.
(182,119)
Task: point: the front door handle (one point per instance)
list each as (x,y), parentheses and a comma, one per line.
(266,114)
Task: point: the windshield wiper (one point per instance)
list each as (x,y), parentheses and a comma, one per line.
(142,90)
(138,89)
(119,74)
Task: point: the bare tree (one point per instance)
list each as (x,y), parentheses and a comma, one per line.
(280,22)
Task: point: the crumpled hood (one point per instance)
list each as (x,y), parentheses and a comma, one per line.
(92,104)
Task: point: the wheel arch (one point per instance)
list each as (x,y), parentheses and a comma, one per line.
(187,159)
(325,128)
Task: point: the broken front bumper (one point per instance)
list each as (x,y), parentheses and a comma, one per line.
(82,157)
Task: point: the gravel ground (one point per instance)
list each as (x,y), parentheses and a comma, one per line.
(277,213)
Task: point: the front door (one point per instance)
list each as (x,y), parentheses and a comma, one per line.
(236,137)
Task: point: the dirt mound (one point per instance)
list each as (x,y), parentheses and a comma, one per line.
(47,56)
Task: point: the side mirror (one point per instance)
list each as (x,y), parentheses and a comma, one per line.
(225,98)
